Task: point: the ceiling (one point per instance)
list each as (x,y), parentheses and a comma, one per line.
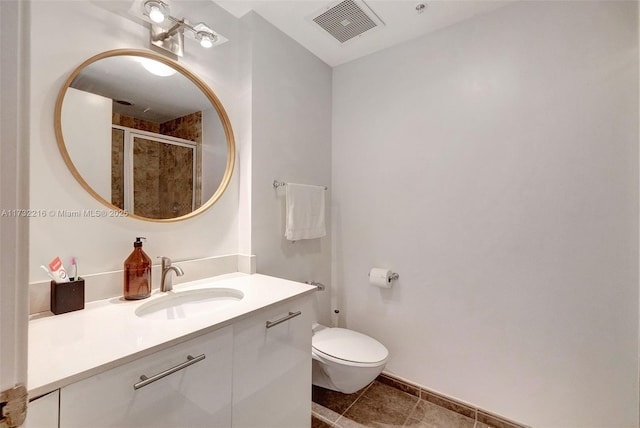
(151,101)
(401,22)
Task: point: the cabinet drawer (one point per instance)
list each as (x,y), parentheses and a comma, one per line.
(195,396)
(272,368)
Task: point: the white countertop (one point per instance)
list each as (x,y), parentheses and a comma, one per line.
(69,347)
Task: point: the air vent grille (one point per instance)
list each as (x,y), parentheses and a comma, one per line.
(347,20)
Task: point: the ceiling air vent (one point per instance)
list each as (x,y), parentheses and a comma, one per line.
(347,20)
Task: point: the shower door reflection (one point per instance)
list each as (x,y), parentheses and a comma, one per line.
(158,174)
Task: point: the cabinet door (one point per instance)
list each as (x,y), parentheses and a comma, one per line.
(272,368)
(43,411)
(196,396)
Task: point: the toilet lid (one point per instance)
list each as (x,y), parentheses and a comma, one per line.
(349,345)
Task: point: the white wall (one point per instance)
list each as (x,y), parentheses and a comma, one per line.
(494,165)
(243,132)
(86,126)
(102,244)
(290,141)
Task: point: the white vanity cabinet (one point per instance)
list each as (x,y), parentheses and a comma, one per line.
(196,394)
(272,367)
(248,365)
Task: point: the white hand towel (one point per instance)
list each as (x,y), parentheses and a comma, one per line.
(305,212)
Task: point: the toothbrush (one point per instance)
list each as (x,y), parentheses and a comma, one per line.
(74,269)
(48,272)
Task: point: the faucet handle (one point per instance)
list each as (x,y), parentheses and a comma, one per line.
(166,262)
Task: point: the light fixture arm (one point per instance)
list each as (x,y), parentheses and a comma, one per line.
(171,31)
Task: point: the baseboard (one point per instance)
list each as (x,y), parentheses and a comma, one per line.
(457,406)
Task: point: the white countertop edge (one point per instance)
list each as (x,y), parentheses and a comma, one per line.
(280,291)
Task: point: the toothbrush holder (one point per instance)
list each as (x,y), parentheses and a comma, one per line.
(67,296)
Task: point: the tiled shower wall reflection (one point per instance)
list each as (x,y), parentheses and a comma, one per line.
(117,167)
(163,188)
(176,183)
(188,127)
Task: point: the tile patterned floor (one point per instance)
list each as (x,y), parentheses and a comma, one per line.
(382,406)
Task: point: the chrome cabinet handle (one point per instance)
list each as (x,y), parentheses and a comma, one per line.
(144,380)
(283,319)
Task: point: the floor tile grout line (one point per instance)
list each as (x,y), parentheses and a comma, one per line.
(411,412)
(355,401)
(335,424)
(322,418)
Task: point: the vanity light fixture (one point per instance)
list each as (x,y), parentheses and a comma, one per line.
(172,39)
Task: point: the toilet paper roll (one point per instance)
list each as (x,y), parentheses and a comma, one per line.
(380,277)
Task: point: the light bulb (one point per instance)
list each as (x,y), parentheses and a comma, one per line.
(206,39)
(156,10)
(156,15)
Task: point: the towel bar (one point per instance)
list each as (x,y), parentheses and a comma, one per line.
(277,184)
(317,284)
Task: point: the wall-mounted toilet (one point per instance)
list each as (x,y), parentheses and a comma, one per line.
(345,360)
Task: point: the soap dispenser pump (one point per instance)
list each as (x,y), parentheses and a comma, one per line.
(137,273)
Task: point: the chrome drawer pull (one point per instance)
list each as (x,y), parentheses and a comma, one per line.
(283,319)
(144,381)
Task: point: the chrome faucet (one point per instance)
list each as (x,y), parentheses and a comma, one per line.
(165,281)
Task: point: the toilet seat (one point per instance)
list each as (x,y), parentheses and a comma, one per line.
(345,360)
(345,346)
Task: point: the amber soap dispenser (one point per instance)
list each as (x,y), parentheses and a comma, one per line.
(137,273)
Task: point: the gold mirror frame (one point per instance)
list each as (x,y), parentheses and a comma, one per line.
(231,151)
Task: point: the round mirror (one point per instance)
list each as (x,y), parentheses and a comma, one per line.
(143,134)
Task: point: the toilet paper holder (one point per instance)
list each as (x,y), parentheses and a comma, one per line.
(394,276)
(382,277)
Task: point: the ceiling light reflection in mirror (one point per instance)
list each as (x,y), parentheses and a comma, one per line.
(157,68)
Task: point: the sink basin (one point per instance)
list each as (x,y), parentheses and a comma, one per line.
(189,303)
